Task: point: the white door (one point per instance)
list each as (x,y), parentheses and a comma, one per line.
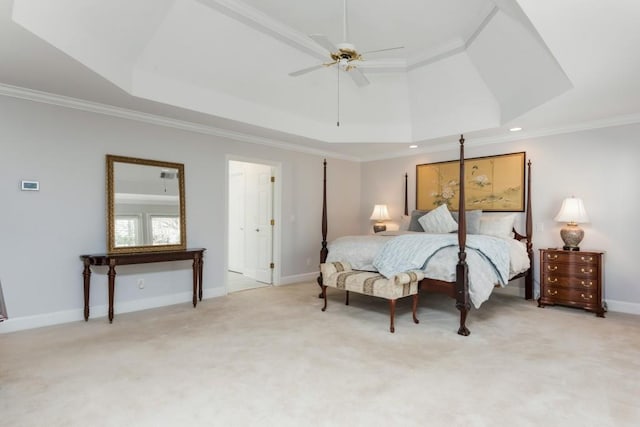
(259,230)
(236,216)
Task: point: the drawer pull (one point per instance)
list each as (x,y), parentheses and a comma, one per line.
(587,270)
(549,256)
(587,285)
(586,258)
(552,280)
(552,292)
(586,296)
(552,267)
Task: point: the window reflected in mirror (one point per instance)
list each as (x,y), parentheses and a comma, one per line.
(146,205)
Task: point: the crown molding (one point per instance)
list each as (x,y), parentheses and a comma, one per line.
(483,21)
(265,24)
(628,119)
(455,46)
(124,113)
(446,50)
(261,22)
(109,110)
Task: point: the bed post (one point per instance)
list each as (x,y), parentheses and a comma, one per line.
(528,278)
(324,251)
(462,272)
(406,198)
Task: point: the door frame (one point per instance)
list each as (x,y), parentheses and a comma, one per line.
(277,213)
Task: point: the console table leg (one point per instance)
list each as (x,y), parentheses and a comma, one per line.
(112,283)
(200,277)
(87,280)
(195,280)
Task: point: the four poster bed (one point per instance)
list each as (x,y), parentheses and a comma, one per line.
(457,284)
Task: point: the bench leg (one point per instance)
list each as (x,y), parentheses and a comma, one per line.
(324,296)
(346,301)
(392,314)
(415,307)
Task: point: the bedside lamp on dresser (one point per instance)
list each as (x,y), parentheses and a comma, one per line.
(569,276)
(380,213)
(573,213)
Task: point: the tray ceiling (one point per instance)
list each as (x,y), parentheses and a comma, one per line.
(474,67)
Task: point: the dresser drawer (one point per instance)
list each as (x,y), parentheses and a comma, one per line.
(583,271)
(567,281)
(565,257)
(560,294)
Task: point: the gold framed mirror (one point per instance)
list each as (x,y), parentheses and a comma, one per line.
(145,205)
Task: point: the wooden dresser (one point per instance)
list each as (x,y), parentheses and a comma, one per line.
(571,278)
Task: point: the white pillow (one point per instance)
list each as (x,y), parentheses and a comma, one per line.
(497,225)
(438,221)
(473,220)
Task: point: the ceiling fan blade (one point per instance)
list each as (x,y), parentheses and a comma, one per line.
(382,50)
(358,77)
(306,70)
(323,41)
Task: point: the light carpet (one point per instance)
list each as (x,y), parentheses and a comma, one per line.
(270,357)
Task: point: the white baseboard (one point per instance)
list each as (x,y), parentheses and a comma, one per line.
(298,278)
(610,305)
(14,324)
(622,306)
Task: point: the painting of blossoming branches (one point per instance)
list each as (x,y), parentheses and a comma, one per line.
(492,184)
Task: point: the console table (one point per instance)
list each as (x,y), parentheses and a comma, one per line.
(112,260)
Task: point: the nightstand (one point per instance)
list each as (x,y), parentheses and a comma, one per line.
(571,278)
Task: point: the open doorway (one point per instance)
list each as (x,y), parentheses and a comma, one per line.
(251,189)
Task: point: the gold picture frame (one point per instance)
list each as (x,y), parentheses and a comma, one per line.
(492,183)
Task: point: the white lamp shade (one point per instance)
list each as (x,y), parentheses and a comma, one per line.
(380,213)
(572,210)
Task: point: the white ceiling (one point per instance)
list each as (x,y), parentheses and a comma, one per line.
(419,26)
(221,67)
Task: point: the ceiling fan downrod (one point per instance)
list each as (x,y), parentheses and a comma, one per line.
(344,23)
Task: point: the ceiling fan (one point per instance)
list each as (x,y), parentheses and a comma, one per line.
(344,55)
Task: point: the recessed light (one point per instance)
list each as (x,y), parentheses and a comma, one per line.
(516,129)
(413,146)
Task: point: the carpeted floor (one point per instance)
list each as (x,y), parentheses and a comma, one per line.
(270,357)
(237,282)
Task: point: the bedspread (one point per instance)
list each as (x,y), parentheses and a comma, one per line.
(491,260)
(413,252)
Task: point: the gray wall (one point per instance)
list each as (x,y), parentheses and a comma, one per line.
(43,233)
(600,166)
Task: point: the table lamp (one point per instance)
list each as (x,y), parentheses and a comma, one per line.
(379,214)
(572,212)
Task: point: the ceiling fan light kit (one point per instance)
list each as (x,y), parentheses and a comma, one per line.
(343,55)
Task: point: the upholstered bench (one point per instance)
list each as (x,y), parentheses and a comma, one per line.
(340,275)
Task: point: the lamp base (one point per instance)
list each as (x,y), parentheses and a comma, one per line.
(379,227)
(571,235)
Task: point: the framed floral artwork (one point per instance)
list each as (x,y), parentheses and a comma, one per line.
(492,184)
